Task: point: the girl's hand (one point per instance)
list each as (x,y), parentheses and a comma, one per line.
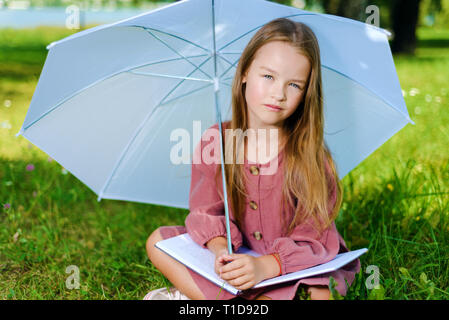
(221,258)
(244,272)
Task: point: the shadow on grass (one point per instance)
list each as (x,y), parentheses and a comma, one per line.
(433,43)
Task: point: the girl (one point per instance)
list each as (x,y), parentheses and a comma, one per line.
(288,217)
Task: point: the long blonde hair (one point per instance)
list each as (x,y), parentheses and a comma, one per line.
(305,150)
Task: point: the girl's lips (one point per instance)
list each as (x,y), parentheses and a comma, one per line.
(273,107)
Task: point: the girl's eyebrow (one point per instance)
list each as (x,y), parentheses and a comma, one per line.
(272,71)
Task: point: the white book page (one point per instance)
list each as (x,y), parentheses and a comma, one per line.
(339,261)
(201,260)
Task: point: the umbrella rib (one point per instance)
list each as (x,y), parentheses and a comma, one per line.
(291,16)
(168,46)
(244,34)
(139,129)
(336,132)
(174,36)
(366,88)
(226,84)
(167,76)
(183,95)
(232,65)
(167,60)
(373,92)
(180,82)
(136,133)
(93,84)
(237,52)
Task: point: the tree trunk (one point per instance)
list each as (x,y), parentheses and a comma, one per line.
(405,20)
(352,9)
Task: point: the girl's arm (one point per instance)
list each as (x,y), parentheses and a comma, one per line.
(217,245)
(305,248)
(206,219)
(270,266)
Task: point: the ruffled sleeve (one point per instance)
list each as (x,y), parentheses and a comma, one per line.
(207,219)
(304,248)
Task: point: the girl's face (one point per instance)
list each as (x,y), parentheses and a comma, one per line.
(277,76)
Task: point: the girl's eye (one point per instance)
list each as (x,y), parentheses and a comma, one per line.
(298,87)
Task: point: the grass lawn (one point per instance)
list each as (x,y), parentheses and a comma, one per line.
(396,202)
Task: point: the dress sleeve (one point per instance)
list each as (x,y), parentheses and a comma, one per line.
(207,219)
(304,248)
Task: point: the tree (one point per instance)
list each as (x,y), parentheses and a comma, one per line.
(405,15)
(345,8)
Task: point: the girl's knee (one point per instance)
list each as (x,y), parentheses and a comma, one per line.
(151,241)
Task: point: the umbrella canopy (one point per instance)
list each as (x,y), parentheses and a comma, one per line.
(110,97)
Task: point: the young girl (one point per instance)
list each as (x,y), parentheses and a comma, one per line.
(287,217)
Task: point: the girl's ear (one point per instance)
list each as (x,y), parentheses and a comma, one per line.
(244,78)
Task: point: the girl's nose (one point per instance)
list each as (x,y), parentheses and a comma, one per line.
(277,92)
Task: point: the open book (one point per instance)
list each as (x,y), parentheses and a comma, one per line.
(201,260)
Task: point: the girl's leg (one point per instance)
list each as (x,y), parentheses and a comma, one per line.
(319,292)
(315,292)
(173,270)
(262,297)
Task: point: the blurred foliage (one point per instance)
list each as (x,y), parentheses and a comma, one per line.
(399,16)
(432,13)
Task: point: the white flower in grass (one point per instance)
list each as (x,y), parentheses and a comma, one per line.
(418,110)
(414,91)
(5,125)
(64,171)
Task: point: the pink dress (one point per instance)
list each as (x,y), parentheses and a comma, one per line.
(263,232)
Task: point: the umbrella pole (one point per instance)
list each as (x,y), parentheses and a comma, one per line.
(225,193)
(218,116)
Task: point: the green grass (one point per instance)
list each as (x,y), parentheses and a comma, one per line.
(396,201)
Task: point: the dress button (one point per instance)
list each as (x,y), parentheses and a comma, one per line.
(257,235)
(254,170)
(253,205)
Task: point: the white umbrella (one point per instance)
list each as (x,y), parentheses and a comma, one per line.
(109,97)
